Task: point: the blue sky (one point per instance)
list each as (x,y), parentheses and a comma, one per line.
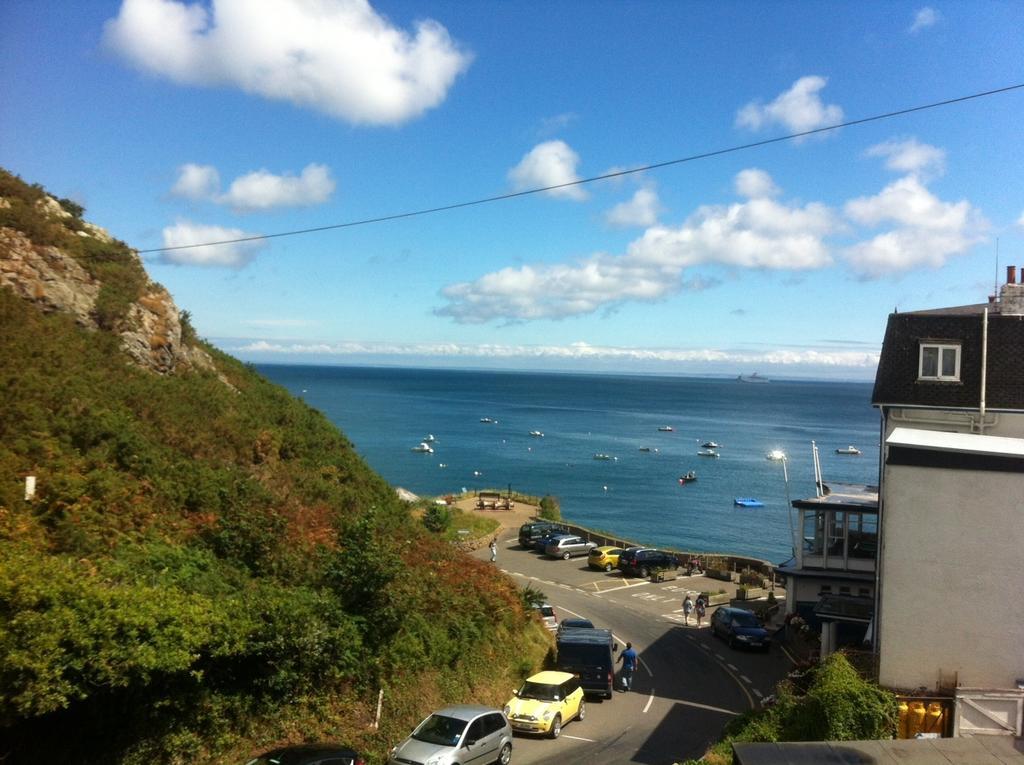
(181,123)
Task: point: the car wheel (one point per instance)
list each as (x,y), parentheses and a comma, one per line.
(506,755)
(565,556)
(583,711)
(607,568)
(643,572)
(556,726)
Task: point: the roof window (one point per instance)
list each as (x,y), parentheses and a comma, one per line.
(939,361)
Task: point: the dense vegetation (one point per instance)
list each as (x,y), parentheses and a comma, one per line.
(829,702)
(209,568)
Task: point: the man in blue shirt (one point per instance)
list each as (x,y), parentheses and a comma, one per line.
(628,658)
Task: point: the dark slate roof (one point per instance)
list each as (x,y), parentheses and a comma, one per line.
(896,381)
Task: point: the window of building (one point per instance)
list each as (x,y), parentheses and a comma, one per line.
(814,532)
(863,535)
(939,361)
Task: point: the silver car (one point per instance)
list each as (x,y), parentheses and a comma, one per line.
(567,545)
(465,734)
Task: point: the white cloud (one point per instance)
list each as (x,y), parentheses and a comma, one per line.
(641,210)
(258,190)
(338,57)
(924,18)
(579,351)
(755,184)
(799,109)
(911,156)
(927,231)
(758,233)
(197,182)
(262,190)
(185,233)
(1020,220)
(551,163)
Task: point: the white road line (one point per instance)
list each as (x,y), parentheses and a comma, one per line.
(719,656)
(578,738)
(705,706)
(650,700)
(706,647)
(746,679)
(733,667)
(757,693)
(625,587)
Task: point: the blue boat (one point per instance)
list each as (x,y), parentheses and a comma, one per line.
(748,502)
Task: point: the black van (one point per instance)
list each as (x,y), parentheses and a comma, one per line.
(530,533)
(590,655)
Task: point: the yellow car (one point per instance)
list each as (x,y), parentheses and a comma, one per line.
(546,701)
(604,558)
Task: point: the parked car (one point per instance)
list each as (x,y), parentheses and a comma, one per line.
(542,544)
(604,558)
(310,754)
(574,624)
(456,735)
(545,702)
(740,627)
(565,547)
(641,562)
(529,533)
(547,616)
(590,656)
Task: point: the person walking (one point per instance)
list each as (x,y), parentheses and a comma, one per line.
(687,609)
(628,658)
(494,549)
(701,609)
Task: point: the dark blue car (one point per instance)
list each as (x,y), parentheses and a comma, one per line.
(740,628)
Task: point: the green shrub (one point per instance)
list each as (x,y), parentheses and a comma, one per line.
(550,510)
(437,518)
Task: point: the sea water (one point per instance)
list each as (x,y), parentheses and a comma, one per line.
(637,495)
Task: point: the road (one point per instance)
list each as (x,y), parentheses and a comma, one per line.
(688,686)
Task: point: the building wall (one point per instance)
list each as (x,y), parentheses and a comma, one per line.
(952,578)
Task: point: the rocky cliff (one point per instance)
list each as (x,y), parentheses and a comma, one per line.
(52,258)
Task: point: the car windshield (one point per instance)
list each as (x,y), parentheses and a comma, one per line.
(547,611)
(539,691)
(438,729)
(745,620)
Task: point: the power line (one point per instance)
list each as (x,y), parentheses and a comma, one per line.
(606,176)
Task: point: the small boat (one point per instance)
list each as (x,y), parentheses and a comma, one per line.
(536,434)
(423,447)
(429,439)
(707,453)
(754,378)
(775,455)
(603,456)
(687,478)
(848,450)
(748,502)
(645,448)
(487,420)
(711,445)
(666,429)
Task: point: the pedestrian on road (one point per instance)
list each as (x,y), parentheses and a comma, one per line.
(701,609)
(687,609)
(628,658)
(494,549)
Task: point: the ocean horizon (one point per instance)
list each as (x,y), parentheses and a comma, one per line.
(386,411)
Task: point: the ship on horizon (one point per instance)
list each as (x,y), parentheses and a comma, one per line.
(753,378)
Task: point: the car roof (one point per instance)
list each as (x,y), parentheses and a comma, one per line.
(550,677)
(306,751)
(464,711)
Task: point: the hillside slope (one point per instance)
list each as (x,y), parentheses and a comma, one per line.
(207,566)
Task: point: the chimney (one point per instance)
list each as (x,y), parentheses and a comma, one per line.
(1011,296)
(1011,274)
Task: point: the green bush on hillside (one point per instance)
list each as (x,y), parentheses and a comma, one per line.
(550,509)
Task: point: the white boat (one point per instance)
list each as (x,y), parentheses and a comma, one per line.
(429,439)
(536,434)
(707,453)
(488,420)
(423,447)
(666,429)
(775,455)
(603,456)
(848,450)
(711,445)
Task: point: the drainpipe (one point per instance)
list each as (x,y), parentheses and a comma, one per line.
(984,370)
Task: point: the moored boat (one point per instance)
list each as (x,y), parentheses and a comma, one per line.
(711,445)
(688,477)
(748,502)
(666,429)
(423,447)
(775,455)
(536,434)
(848,450)
(488,420)
(707,453)
(603,456)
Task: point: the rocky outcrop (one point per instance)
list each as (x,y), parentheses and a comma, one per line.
(53,280)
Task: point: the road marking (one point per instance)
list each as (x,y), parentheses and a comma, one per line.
(757,693)
(710,708)
(705,647)
(746,679)
(578,738)
(733,667)
(788,654)
(625,586)
(638,656)
(650,700)
(719,656)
